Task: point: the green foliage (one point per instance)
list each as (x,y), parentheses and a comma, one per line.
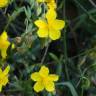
(73,57)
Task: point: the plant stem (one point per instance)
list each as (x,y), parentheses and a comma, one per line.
(45,53)
(65,55)
(92,3)
(89,15)
(65,47)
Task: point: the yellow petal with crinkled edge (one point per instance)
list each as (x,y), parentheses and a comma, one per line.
(42,32)
(5,81)
(4,44)
(58,24)
(35,76)
(49,86)
(51,4)
(44,71)
(3,3)
(54,34)
(40,23)
(4,77)
(7,69)
(3,53)
(4,36)
(53,77)
(38,86)
(3,48)
(51,15)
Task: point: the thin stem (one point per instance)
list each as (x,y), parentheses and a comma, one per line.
(13,16)
(65,55)
(82,92)
(65,47)
(92,3)
(83,53)
(45,53)
(9,21)
(90,16)
(92,11)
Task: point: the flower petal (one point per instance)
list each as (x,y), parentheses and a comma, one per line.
(50,86)
(53,77)
(5,81)
(40,23)
(43,33)
(3,48)
(7,69)
(41,1)
(35,76)
(4,36)
(3,3)
(54,34)
(51,15)
(0,71)
(51,4)
(58,24)
(3,53)
(44,71)
(0,88)
(38,86)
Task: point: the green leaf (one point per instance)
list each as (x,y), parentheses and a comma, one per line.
(54,57)
(70,86)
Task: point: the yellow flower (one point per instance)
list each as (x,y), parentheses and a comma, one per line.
(4,44)
(3,3)
(41,0)
(51,27)
(44,80)
(4,77)
(47,1)
(50,3)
